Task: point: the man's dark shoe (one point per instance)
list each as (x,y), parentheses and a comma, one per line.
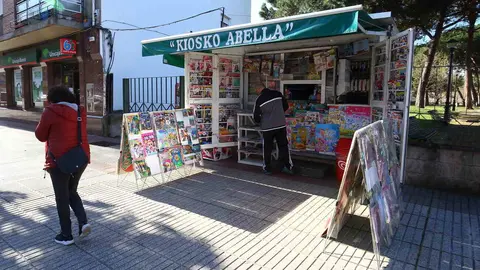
(64,240)
(288,170)
(267,172)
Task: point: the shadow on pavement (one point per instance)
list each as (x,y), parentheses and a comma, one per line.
(227,200)
(119,240)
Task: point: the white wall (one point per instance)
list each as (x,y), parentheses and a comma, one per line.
(129,62)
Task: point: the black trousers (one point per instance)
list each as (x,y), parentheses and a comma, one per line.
(280,136)
(66,196)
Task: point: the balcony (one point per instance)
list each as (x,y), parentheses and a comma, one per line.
(35,21)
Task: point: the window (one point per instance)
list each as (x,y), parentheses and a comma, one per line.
(26,9)
(1,8)
(70,5)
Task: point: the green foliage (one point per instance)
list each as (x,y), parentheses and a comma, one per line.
(460,35)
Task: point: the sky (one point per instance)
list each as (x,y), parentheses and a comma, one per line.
(128,60)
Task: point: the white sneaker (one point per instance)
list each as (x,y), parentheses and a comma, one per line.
(86,230)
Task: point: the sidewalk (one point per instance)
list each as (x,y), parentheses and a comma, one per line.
(219,217)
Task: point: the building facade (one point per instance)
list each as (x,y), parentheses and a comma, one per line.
(51,42)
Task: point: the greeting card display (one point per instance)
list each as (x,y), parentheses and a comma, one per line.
(142,144)
(151,142)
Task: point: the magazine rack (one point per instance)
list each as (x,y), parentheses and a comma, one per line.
(155,144)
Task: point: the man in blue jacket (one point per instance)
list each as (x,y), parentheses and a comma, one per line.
(269,112)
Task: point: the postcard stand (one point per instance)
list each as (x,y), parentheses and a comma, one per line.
(372,174)
(157,143)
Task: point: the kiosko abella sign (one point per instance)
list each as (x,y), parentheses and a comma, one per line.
(345,23)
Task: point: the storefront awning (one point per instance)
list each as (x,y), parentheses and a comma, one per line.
(19,58)
(326,23)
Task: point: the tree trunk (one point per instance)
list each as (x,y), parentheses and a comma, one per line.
(477,92)
(420,102)
(460,95)
(472,17)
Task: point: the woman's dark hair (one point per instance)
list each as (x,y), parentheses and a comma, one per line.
(60,93)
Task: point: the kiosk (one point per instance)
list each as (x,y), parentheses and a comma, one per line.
(340,69)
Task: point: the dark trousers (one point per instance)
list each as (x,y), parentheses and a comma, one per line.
(66,196)
(280,136)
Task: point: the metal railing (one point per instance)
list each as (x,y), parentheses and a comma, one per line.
(153,94)
(62,9)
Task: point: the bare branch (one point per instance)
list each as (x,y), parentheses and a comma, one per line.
(426,32)
(455,22)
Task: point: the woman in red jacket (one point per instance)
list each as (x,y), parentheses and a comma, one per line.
(58,129)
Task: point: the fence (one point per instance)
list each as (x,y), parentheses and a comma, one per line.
(153,94)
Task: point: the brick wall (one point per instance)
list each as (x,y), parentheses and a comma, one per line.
(444,169)
(8,16)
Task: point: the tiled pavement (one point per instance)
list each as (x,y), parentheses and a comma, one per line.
(216,218)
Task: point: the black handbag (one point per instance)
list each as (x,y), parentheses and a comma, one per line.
(76,158)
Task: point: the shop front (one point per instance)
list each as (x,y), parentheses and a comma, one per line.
(19,66)
(340,70)
(35,69)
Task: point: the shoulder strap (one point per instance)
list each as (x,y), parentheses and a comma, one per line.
(79,125)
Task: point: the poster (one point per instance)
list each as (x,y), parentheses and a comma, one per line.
(18,85)
(37,84)
(326,137)
(349,118)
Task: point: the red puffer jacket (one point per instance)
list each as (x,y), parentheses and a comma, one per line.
(58,128)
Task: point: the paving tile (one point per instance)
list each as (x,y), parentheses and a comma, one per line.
(223,218)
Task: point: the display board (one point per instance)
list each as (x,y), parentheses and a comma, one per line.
(373,173)
(158,142)
(391,84)
(213,90)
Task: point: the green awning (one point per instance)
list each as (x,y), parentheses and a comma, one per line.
(174,60)
(315,25)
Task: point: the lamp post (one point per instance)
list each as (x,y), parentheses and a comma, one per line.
(451,44)
(455,95)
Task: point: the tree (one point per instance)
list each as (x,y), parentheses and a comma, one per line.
(461,35)
(472,8)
